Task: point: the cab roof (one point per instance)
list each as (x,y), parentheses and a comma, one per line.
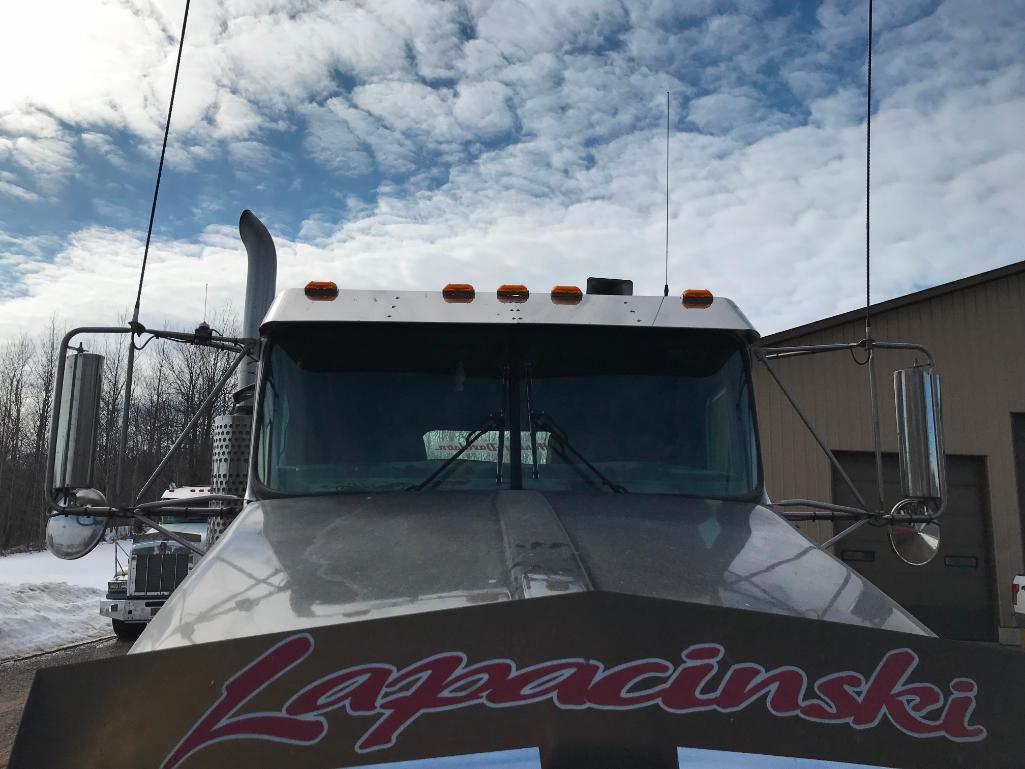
(354,306)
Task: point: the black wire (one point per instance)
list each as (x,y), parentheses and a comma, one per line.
(160,167)
(860,362)
(868,184)
(140,348)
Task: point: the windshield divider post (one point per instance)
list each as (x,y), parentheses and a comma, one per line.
(503,424)
(515,439)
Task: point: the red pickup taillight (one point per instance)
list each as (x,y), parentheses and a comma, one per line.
(1015,589)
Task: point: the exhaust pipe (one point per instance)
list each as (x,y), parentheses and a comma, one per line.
(232,445)
(261,280)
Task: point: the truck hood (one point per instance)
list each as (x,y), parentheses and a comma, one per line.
(184,528)
(294,563)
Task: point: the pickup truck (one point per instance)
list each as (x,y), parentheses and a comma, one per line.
(1018,599)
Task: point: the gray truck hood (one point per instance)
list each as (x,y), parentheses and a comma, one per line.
(294,563)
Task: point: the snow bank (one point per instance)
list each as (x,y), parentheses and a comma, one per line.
(40,617)
(46,603)
(92,570)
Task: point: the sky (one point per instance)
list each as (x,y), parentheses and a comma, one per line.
(404,145)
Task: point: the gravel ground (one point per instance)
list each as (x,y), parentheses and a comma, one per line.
(16,680)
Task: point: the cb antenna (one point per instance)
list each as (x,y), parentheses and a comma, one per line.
(868,186)
(136,327)
(206,291)
(665,290)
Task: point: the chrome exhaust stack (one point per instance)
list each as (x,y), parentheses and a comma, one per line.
(232,433)
(261,280)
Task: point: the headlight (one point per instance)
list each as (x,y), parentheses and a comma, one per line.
(117,586)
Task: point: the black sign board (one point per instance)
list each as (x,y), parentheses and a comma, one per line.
(582,680)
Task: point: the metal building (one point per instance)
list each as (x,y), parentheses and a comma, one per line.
(975,329)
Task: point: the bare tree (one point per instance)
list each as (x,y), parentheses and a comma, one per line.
(172,380)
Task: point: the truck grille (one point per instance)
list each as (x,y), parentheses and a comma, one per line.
(159,572)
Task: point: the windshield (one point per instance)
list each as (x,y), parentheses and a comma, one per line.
(386,407)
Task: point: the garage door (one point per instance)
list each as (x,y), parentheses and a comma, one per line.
(953,593)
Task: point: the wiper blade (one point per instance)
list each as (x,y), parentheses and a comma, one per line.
(531,422)
(494,421)
(541,418)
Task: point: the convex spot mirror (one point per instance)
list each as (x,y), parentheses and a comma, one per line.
(915,543)
(73,536)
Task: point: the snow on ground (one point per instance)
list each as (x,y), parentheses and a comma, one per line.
(46,603)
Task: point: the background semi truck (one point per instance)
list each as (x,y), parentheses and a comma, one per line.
(403,473)
(149,565)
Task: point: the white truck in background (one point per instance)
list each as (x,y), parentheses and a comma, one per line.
(1018,602)
(149,567)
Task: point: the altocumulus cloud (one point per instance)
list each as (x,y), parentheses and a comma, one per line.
(406,144)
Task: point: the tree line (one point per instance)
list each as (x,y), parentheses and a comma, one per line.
(171,380)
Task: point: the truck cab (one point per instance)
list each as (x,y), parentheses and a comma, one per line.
(421,450)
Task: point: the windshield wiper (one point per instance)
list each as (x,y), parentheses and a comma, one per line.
(541,419)
(537,419)
(495,420)
(531,424)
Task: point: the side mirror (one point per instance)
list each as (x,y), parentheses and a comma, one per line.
(76,421)
(923,467)
(72,536)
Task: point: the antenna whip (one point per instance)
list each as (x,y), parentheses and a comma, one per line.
(868,186)
(665,290)
(130,368)
(160,167)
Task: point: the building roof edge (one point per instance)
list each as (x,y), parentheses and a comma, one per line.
(893,304)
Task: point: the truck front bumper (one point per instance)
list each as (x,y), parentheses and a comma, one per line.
(128,609)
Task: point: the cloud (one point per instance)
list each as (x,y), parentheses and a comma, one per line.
(482,109)
(410,144)
(331,142)
(10,188)
(743,115)
(103,146)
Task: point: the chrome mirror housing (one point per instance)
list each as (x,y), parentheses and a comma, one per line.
(923,468)
(77,417)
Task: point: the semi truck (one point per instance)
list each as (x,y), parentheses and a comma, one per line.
(149,565)
(511,528)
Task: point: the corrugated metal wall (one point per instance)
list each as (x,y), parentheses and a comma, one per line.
(977,335)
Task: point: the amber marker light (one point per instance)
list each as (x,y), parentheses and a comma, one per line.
(513,292)
(456,293)
(697,298)
(566,295)
(321,290)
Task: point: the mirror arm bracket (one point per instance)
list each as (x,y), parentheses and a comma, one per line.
(807,423)
(169,534)
(203,408)
(242,346)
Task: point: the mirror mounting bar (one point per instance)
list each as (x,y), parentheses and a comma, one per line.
(833,512)
(244,349)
